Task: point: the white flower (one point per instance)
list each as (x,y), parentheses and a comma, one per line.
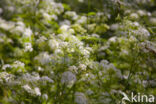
(71,31)
(82,66)
(152,21)
(47,16)
(62,36)
(149,14)
(45,96)
(83,19)
(65,22)
(54,17)
(53,44)
(136,23)
(87,74)
(81,1)
(113,39)
(6,66)
(89,92)
(41,39)
(123,51)
(40,68)
(17,64)
(70,50)
(134,16)
(142,13)
(72,15)
(43,58)
(64,28)
(59,8)
(132,38)
(95,35)
(37,91)
(20,23)
(28,47)
(5,76)
(114,27)
(142,33)
(28,32)
(85,52)
(27,88)
(68,78)
(20,27)
(73,69)
(46,78)
(89,49)
(80,98)
(58,51)
(11,8)
(93,65)
(75,40)
(6,26)
(31,78)
(64,44)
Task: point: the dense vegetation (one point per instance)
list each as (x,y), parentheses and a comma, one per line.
(76,51)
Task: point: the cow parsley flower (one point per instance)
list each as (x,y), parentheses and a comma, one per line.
(82,67)
(65,22)
(28,32)
(20,27)
(28,47)
(152,21)
(71,14)
(53,44)
(142,33)
(142,12)
(6,25)
(89,92)
(40,68)
(58,52)
(85,52)
(6,77)
(54,17)
(73,69)
(95,35)
(113,39)
(82,20)
(19,66)
(46,79)
(37,91)
(27,88)
(81,1)
(31,77)
(136,24)
(45,96)
(43,58)
(41,39)
(114,27)
(134,16)
(64,28)
(64,44)
(68,78)
(80,98)
(47,16)
(6,66)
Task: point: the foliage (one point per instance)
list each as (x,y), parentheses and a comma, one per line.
(76,51)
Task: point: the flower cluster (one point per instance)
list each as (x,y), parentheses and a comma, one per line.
(76,51)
